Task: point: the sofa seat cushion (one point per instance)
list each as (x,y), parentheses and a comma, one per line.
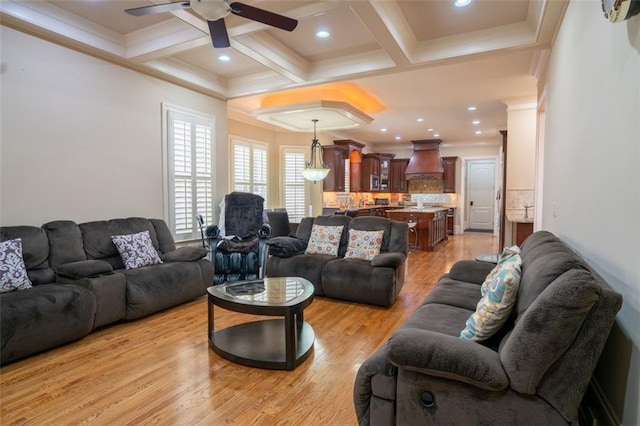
(439,318)
(157,287)
(357,281)
(307,266)
(455,293)
(42,317)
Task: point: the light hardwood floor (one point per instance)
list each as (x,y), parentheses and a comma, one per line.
(160,369)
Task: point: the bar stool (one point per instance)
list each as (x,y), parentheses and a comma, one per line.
(413,224)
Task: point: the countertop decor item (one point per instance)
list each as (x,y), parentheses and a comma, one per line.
(315,169)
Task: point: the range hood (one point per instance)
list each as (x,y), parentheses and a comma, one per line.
(425,162)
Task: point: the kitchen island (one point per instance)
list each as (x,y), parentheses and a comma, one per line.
(431,224)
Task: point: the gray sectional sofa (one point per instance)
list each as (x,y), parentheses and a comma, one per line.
(535,370)
(375,282)
(80,283)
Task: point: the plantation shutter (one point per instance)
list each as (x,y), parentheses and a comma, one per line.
(249,168)
(294,185)
(190,148)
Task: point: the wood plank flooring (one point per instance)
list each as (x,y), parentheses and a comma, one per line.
(161,370)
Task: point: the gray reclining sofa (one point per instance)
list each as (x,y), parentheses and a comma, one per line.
(80,282)
(534,371)
(374,282)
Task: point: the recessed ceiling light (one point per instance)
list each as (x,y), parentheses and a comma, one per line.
(462,3)
(419,119)
(478,132)
(384,129)
(471,108)
(224,58)
(476,121)
(436,135)
(430,130)
(398,138)
(322,33)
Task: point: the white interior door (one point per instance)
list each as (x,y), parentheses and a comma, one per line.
(481,181)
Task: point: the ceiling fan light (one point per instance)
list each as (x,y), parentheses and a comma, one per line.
(211,10)
(461,3)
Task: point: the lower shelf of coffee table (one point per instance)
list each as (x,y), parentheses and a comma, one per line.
(262,344)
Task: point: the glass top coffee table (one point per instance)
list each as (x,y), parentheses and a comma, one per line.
(279,344)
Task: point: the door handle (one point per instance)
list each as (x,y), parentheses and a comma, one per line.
(471,203)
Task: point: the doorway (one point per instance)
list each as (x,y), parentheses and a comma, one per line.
(480,193)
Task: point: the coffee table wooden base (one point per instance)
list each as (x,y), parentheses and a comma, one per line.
(262,344)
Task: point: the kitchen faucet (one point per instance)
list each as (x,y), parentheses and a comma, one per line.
(526,210)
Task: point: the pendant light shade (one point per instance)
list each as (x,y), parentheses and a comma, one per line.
(315,169)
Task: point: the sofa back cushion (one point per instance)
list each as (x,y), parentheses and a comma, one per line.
(65,242)
(163,233)
(35,251)
(547,328)
(97,237)
(303,231)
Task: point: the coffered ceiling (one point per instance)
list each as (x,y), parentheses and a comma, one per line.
(418,59)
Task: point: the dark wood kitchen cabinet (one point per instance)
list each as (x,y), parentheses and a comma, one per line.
(355,162)
(397,179)
(370,168)
(334,156)
(385,171)
(449,174)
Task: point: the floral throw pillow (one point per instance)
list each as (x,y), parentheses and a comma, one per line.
(324,240)
(499,292)
(136,250)
(364,244)
(13,273)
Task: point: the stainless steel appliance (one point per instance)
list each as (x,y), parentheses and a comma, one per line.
(381,201)
(375,183)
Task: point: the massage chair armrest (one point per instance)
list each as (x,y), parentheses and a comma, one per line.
(185,254)
(449,357)
(389,260)
(83,269)
(471,271)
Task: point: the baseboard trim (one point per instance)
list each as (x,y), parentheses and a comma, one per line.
(595,408)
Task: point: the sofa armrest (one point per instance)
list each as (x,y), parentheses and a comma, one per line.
(84,269)
(471,271)
(390,260)
(447,356)
(185,254)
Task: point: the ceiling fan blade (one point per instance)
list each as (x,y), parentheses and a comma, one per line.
(158,8)
(264,16)
(218,31)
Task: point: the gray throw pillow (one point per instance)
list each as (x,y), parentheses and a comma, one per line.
(136,250)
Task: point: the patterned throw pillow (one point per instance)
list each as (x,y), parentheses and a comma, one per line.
(364,244)
(136,250)
(13,273)
(499,292)
(324,240)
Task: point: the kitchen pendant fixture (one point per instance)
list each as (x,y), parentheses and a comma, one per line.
(315,169)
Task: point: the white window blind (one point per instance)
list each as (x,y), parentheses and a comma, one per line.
(295,186)
(249,168)
(188,149)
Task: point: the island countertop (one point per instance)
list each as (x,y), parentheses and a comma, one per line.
(422,210)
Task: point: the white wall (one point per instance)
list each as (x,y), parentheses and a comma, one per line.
(591,172)
(81,137)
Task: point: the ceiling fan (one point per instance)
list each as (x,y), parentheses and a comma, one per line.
(214,11)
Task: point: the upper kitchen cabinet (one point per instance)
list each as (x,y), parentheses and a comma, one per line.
(334,156)
(449,174)
(385,171)
(397,180)
(355,162)
(370,178)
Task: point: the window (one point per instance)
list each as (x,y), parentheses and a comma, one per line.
(295,187)
(188,145)
(249,167)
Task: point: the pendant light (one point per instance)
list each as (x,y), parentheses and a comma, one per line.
(315,169)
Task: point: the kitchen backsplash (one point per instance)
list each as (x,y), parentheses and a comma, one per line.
(517,199)
(449,199)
